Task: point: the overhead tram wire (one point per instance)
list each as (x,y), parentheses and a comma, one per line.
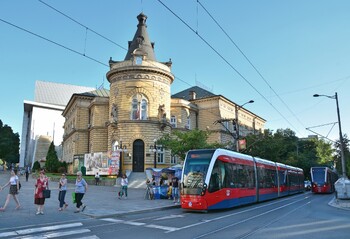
(77,52)
(88,28)
(228,63)
(249,61)
(82,24)
(69,49)
(53,42)
(81,54)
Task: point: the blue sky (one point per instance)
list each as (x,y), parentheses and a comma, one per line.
(299,47)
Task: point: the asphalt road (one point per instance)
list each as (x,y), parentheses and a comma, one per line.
(300,216)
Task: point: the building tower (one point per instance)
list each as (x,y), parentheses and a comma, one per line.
(139,104)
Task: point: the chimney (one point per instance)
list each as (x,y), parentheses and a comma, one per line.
(192,95)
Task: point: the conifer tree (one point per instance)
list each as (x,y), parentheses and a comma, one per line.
(52,164)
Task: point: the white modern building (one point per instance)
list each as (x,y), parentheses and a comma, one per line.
(43,121)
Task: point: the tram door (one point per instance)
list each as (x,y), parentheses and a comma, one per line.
(138,154)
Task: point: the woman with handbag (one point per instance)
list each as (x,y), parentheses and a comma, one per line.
(42,183)
(14,188)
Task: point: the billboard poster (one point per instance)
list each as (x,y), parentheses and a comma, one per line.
(78,162)
(113,164)
(105,163)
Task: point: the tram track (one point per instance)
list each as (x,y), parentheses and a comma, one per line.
(256,229)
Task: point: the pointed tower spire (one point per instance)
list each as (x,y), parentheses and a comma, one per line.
(141,43)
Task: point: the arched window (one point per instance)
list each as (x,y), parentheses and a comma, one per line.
(139,107)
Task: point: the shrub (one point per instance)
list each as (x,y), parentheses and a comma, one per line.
(36,166)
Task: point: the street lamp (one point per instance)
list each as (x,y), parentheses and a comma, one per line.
(340,132)
(153,148)
(238,107)
(121,149)
(342,185)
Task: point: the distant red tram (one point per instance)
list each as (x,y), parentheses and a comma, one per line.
(219,178)
(323,179)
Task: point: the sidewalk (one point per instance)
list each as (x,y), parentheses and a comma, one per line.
(340,203)
(100,201)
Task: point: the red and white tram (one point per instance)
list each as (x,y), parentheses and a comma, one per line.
(219,178)
(323,179)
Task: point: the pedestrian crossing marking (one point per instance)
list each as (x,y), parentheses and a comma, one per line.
(89,237)
(165,228)
(47,228)
(111,220)
(133,223)
(7,234)
(169,217)
(123,222)
(58,234)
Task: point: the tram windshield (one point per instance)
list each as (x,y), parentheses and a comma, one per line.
(318,175)
(195,171)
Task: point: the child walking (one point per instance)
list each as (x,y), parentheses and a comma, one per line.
(124,188)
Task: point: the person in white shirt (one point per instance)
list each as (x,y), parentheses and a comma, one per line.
(97,179)
(124,188)
(14,188)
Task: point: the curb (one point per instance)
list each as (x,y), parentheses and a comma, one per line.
(335,203)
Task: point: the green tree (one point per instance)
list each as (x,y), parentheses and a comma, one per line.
(36,166)
(52,163)
(180,142)
(337,157)
(284,147)
(324,153)
(9,144)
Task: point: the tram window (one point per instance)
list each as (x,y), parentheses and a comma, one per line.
(267,178)
(282,178)
(328,177)
(229,175)
(245,176)
(229,181)
(215,182)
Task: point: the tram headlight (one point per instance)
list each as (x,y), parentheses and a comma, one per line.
(204,189)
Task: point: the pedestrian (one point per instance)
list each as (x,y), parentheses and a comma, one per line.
(97,179)
(41,184)
(62,187)
(124,187)
(80,189)
(169,191)
(175,189)
(149,190)
(27,173)
(13,191)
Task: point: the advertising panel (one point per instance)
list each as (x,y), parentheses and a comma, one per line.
(105,163)
(78,162)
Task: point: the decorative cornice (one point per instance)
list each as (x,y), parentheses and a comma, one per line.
(140,73)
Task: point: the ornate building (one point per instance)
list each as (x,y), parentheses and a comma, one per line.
(139,109)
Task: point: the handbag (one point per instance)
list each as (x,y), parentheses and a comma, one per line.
(73,197)
(47,193)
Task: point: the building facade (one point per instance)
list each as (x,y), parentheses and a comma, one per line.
(139,109)
(43,120)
